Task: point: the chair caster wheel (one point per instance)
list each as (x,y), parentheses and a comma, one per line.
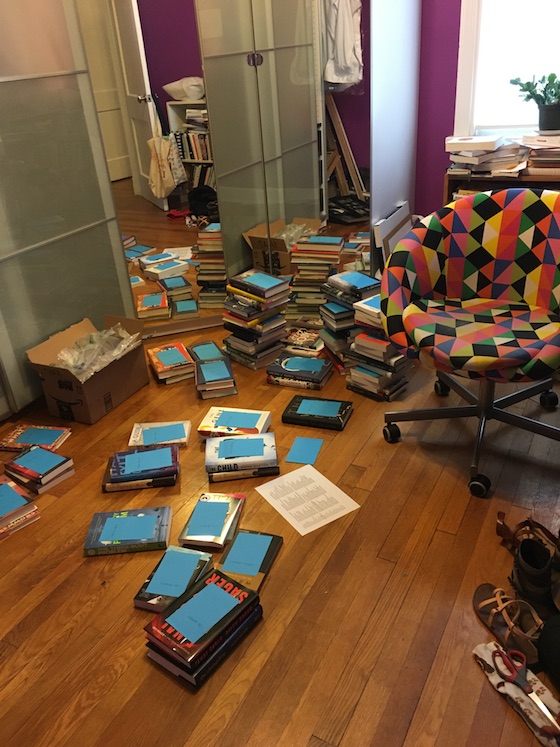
(391,433)
(441,388)
(479,486)
(549,400)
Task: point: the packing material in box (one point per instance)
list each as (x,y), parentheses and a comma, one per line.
(277,262)
(67,397)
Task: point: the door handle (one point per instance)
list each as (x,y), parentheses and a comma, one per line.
(144,98)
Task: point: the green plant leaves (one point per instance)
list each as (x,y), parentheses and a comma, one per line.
(544,91)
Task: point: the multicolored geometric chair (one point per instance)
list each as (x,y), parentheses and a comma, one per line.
(473,290)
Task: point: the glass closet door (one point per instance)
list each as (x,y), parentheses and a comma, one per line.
(61,256)
(260,90)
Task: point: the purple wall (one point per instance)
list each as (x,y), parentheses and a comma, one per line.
(436,112)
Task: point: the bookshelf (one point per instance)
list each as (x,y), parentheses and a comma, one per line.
(194,144)
(452,182)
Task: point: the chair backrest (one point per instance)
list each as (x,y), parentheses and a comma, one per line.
(503,245)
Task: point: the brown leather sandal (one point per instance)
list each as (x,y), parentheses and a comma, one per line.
(528,529)
(512,622)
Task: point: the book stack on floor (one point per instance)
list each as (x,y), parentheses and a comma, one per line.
(23,436)
(315,257)
(160,433)
(177,570)
(337,345)
(148,260)
(17,509)
(544,154)
(213,521)
(171,268)
(304,341)
(142,467)
(134,253)
(481,154)
(171,362)
(254,314)
(193,635)
(299,371)
(233,421)
(214,378)
(378,369)
(211,269)
(233,458)
(38,469)
(153,306)
(177,288)
(128,240)
(132,530)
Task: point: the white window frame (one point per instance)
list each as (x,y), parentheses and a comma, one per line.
(467,67)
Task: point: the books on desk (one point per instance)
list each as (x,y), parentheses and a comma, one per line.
(317,412)
(299,371)
(177,570)
(230,458)
(38,469)
(195,633)
(171,362)
(134,530)
(233,421)
(213,521)
(159,433)
(17,509)
(249,557)
(23,436)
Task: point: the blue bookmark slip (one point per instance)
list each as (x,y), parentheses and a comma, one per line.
(238,419)
(162,433)
(39,436)
(166,265)
(298,363)
(177,282)
(326,408)
(358,279)
(230,448)
(208,519)
(247,553)
(145,461)
(304,450)
(153,300)
(215,371)
(39,460)
(171,357)
(128,528)
(188,305)
(173,573)
(10,499)
(262,281)
(207,351)
(200,613)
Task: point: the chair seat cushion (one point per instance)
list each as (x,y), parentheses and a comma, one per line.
(482,338)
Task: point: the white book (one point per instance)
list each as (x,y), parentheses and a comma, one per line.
(233,421)
(458,143)
(232,453)
(154,259)
(169,269)
(167,432)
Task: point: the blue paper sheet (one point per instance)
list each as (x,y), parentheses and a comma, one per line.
(39,460)
(177,282)
(299,363)
(188,305)
(173,573)
(263,281)
(215,370)
(304,450)
(238,419)
(39,436)
(144,461)
(171,357)
(166,265)
(247,553)
(328,408)
(207,351)
(358,279)
(162,433)
(10,499)
(128,528)
(195,618)
(231,448)
(374,302)
(208,518)
(152,300)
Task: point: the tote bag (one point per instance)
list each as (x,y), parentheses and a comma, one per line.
(160,178)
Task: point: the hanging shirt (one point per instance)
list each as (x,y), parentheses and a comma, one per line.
(342,41)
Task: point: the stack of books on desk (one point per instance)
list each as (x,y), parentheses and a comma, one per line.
(38,469)
(193,635)
(236,457)
(17,509)
(300,372)
(254,314)
(544,154)
(211,269)
(481,154)
(171,362)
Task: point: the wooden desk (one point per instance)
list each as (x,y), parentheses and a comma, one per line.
(452,183)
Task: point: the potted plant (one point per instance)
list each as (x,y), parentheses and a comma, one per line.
(545,92)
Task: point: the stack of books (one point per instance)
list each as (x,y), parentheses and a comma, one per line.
(299,371)
(337,345)
(317,412)
(544,154)
(349,287)
(132,530)
(213,521)
(171,362)
(233,421)
(128,240)
(184,309)
(177,288)
(214,378)
(211,275)
(193,635)
(482,154)
(233,458)
(17,509)
(38,469)
(255,317)
(153,306)
(154,259)
(142,467)
(337,317)
(23,436)
(314,258)
(159,433)
(134,253)
(171,268)
(304,341)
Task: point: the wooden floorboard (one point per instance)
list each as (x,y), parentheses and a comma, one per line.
(368,625)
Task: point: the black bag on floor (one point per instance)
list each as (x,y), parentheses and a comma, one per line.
(204,201)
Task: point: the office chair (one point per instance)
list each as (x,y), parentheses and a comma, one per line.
(473,291)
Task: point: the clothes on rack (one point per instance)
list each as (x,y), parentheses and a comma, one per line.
(342,42)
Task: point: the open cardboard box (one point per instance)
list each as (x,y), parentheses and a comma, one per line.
(66,396)
(279,262)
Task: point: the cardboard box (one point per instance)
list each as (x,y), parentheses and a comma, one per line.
(279,257)
(66,396)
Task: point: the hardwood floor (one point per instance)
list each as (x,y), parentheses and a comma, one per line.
(368,626)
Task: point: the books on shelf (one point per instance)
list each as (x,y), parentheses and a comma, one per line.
(38,469)
(213,521)
(133,530)
(152,306)
(168,432)
(23,436)
(248,452)
(17,509)
(233,421)
(171,361)
(249,557)
(177,570)
(317,412)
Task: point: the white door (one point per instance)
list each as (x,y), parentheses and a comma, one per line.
(137,106)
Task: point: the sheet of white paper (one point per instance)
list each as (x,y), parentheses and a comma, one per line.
(183,252)
(306,499)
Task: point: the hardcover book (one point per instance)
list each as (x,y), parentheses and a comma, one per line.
(195,624)
(154,259)
(213,521)
(135,530)
(16,507)
(314,370)
(152,305)
(38,464)
(233,421)
(261,284)
(205,351)
(249,557)
(168,432)
(170,359)
(317,412)
(23,436)
(242,474)
(145,462)
(175,572)
(213,374)
(227,454)
(357,284)
(108,486)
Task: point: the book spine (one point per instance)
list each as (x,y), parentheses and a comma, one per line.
(119,549)
(314,422)
(243,473)
(236,467)
(295,383)
(156,482)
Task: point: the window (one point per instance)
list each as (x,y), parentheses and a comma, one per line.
(500,40)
